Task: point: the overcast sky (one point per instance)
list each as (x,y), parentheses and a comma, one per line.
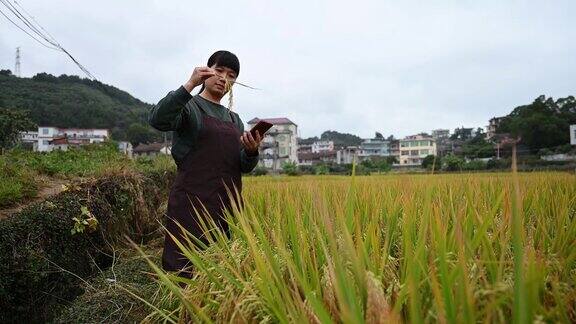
(397,67)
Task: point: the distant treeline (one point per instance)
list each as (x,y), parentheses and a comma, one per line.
(71,101)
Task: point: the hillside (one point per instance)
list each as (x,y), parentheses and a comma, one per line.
(69,101)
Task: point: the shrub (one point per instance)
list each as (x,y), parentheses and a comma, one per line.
(42,262)
(260,171)
(106,300)
(321,169)
(290,168)
(452,163)
(474,165)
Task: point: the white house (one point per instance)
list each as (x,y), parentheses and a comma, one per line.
(50,138)
(322,146)
(373,147)
(279,144)
(126,148)
(30,138)
(413,149)
(347,155)
(152,149)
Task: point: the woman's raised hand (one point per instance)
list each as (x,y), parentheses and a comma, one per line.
(198,77)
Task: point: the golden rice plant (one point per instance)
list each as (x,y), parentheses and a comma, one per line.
(456,248)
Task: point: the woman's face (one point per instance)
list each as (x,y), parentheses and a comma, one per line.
(217,84)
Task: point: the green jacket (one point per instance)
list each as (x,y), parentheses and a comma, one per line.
(179,113)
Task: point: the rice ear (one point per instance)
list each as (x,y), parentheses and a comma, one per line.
(377,308)
(228,88)
(328,294)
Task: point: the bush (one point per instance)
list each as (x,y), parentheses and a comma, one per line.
(306,169)
(475,165)
(105,299)
(290,168)
(41,261)
(432,160)
(498,164)
(260,171)
(452,163)
(321,169)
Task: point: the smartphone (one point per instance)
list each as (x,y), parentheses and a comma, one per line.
(262,127)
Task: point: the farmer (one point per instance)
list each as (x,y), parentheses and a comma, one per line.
(210,149)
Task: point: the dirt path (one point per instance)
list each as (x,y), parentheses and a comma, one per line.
(48,187)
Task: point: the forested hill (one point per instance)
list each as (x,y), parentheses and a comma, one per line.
(69,101)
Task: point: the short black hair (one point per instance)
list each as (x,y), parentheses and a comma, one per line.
(225,59)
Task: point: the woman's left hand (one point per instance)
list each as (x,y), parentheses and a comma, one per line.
(250,142)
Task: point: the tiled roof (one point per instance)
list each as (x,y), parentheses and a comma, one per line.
(59,140)
(152,147)
(273,121)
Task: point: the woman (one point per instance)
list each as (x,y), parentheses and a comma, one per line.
(211,151)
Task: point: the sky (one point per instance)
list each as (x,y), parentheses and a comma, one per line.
(360,67)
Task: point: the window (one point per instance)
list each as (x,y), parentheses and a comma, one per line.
(44,131)
(424,152)
(405,152)
(404,144)
(44,142)
(414,152)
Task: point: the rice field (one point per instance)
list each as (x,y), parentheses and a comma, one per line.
(456,248)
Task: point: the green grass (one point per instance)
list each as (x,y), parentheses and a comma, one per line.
(20,170)
(428,248)
(16,183)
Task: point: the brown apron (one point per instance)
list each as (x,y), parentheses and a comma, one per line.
(201,182)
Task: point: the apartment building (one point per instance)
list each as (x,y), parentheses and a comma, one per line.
(413,149)
(279,144)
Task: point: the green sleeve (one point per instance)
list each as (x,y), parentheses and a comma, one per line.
(170,112)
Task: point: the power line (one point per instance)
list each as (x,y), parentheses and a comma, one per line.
(36,30)
(10,20)
(34,19)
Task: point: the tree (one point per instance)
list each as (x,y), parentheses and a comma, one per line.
(379,135)
(138,133)
(341,139)
(382,165)
(431,160)
(462,134)
(477,147)
(452,163)
(72,102)
(12,122)
(367,163)
(308,141)
(542,124)
(6,72)
(392,159)
(321,169)
(290,168)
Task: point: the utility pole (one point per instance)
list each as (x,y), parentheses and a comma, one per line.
(165,143)
(17,64)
